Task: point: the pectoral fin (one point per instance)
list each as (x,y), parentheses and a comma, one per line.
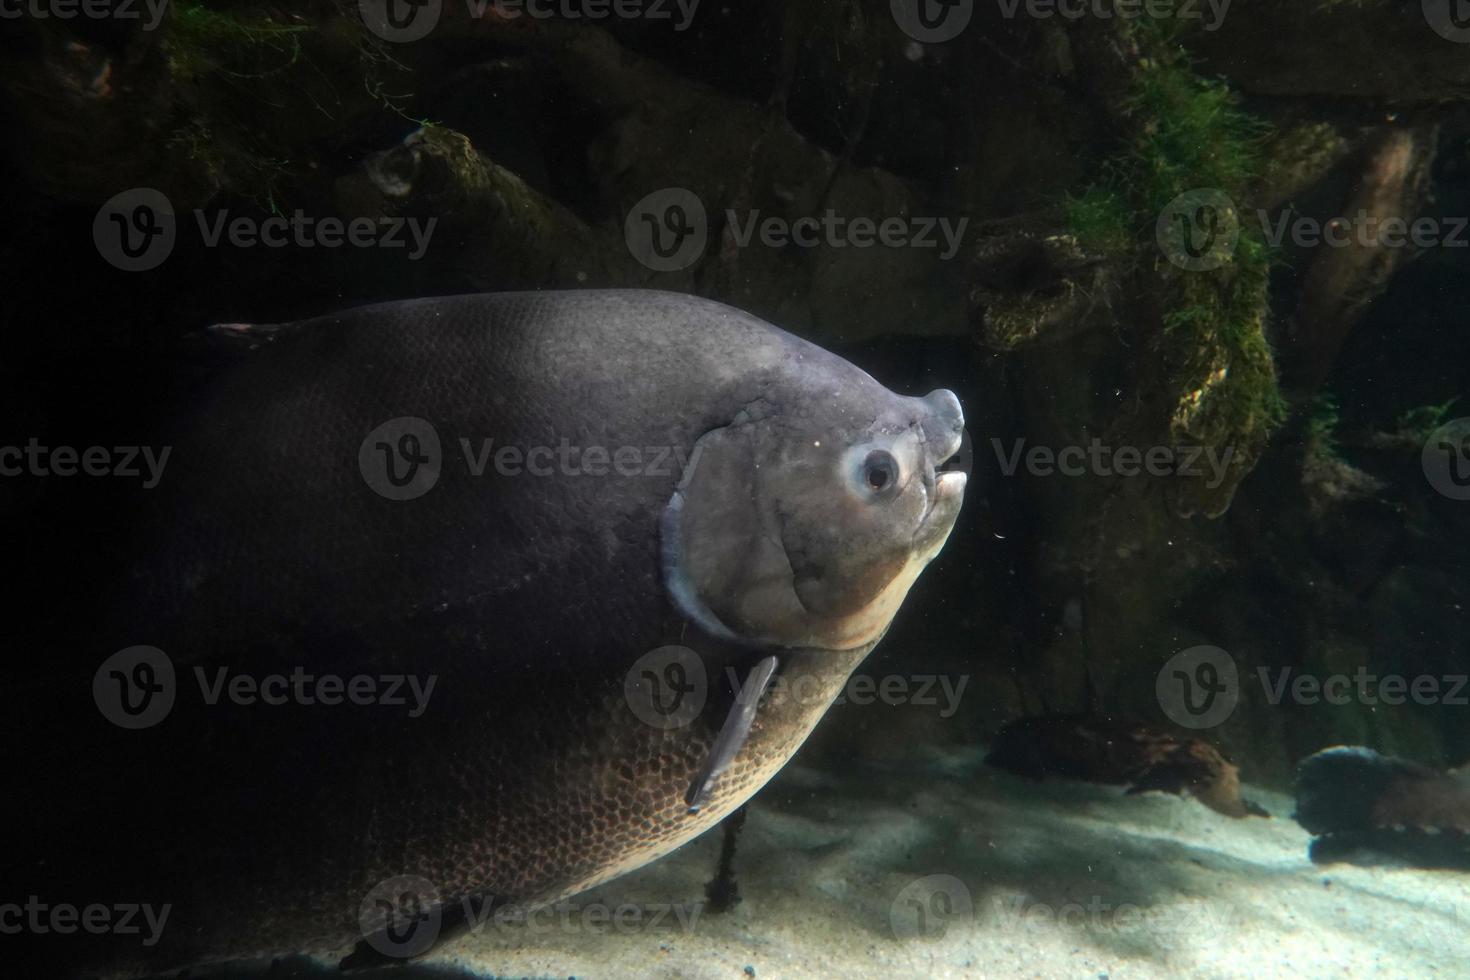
(732,734)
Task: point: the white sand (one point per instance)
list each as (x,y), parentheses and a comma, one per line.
(1061,880)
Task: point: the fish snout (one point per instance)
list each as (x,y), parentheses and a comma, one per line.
(946,441)
(943,424)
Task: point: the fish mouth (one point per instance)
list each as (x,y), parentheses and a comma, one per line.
(959,461)
(951,473)
(947,444)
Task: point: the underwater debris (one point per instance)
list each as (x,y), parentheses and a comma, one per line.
(722,892)
(1034,285)
(1367,808)
(1116,753)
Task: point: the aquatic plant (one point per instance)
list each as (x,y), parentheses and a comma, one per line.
(1418,423)
(1101,219)
(1322,421)
(1187,133)
(234,67)
(203,40)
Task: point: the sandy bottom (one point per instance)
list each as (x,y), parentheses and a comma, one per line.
(949,869)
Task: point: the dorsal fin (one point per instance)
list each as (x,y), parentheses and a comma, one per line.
(247,336)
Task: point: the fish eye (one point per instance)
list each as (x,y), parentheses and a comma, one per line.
(880,470)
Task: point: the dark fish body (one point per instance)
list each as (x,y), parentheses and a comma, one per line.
(1119,753)
(1369,808)
(526,752)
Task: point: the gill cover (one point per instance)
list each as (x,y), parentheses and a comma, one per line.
(785,533)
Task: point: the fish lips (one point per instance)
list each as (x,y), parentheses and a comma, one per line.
(951,461)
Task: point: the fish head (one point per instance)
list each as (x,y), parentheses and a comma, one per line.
(804,522)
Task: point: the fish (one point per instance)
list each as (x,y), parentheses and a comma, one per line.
(1364,807)
(558,542)
(1111,752)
